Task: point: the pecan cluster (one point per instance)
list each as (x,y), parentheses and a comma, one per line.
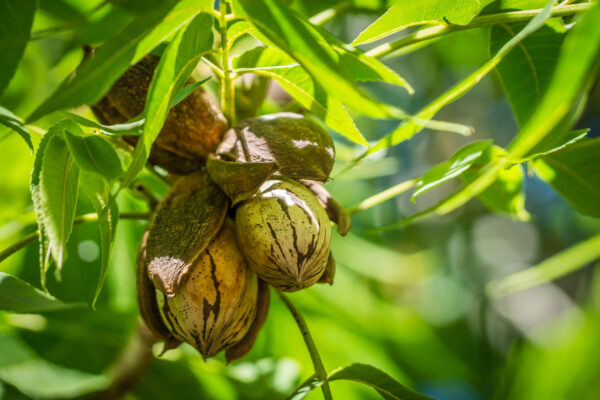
(246,213)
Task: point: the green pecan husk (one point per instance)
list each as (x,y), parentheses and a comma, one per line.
(284,235)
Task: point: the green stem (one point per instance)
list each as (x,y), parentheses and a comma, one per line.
(386,195)
(477,22)
(227,82)
(32,237)
(320,371)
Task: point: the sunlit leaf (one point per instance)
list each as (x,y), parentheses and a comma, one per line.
(575,174)
(97,74)
(40,379)
(453,167)
(173,70)
(412,13)
(297,37)
(16,19)
(19,296)
(13,122)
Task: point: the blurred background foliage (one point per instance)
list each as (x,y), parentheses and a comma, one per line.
(408,301)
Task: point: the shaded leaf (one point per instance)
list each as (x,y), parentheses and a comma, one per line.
(175,66)
(526,71)
(185,222)
(93,153)
(300,147)
(461,161)
(19,296)
(40,379)
(16,20)
(579,59)
(13,122)
(275,64)
(239,180)
(297,37)
(384,384)
(574,173)
(96,75)
(423,12)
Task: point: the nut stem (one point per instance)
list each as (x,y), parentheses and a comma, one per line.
(320,371)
